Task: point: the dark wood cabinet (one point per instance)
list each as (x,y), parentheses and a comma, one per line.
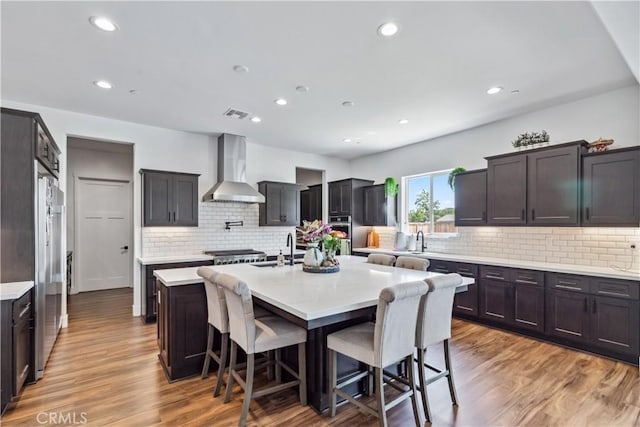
(471,198)
(148,281)
(311,203)
(507,190)
(553,196)
(17,351)
(378,209)
(281,206)
(537,187)
(567,315)
(614,324)
(182,329)
(169,198)
(340,197)
(464,303)
(512,296)
(611,188)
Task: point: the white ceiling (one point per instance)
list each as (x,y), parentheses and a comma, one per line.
(434,72)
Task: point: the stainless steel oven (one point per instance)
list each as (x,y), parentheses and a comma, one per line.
(341,223)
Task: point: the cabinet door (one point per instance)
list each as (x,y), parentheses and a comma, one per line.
(345,198)
(163,326)
(289,205)
(466,302)
(507,190)
(611,189)
(552,186)
(305,206)
(273,204)
(158,199)
(566,315)
(185,199)
(496,303)
(22,351)
(373,211)
(614,324)
(334,198)
(528,307)
(471,198)
(315,202)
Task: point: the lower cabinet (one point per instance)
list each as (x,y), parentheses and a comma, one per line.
(567,315)
(495,301)
(182,329)
(464,303)
(17,352)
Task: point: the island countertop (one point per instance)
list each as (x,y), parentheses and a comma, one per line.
(311,296)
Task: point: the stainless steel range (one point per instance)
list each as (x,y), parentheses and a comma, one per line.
(236,256)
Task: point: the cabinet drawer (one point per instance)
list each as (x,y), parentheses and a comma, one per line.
(466,270)
(528,277)
(439,266)
(614,288)
(495,273)
(567,282)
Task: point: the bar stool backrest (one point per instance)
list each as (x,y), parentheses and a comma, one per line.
(216,304)
(396,318)
(242,324)
(434,316)
(413,263)
(381,259)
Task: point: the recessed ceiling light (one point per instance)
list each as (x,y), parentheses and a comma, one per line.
(494,90)
(103,84)
(256,119)
(403,121)
(133,91)
(240,68)
(347,140)
(105,24)
(348,104)
(302,88)
(387,29)
(515,91)
(281,101)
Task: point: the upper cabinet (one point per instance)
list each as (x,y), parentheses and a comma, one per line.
(311,203)
(611,188)
(169,198)
(540,187)
(346,198)
(471,198)
(282,204)
(379,209)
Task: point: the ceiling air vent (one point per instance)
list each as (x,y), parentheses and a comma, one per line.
(236,114)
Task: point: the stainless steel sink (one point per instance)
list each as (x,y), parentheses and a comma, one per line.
(275,263)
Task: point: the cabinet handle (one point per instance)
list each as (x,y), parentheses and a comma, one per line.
(489,276)
(594,309)
(571,288)
(522,215)
(24,310)
(533,214)
(587,213)
(484,215)
(529,282)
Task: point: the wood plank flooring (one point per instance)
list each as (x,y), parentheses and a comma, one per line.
(105,365)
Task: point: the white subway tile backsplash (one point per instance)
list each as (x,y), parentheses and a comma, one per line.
(571,245)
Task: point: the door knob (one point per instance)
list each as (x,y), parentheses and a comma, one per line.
(125,248)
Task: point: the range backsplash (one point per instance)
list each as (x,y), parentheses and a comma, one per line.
(600,247)
(210,233)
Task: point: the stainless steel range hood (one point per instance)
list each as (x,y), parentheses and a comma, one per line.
(232,173)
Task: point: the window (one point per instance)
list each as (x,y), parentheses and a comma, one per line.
(429,203)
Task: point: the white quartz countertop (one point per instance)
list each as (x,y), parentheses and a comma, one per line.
(311,296)
(14,290)
(148,260)
(285,252)
(503,262)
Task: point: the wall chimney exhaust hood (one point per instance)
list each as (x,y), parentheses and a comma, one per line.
(232,173)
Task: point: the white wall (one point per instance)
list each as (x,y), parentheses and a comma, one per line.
(165,149)
(613,114)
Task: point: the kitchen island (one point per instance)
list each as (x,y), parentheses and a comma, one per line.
(321,303)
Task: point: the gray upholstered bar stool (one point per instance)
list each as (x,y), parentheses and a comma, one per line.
(258,335)
(217,318)
(413,263)
(389,340)
(434,327)
(381,259)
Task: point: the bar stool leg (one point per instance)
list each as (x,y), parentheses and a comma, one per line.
(248,389)
(382,413)
(423,386)
(232,369)
(224,345)
(302,372)
(447,361)
(414,397)
(333,380)
(207,358)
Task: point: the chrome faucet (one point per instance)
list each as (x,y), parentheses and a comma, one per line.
(418,234)
(290,246)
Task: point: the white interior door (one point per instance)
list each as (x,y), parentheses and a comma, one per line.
(103,234)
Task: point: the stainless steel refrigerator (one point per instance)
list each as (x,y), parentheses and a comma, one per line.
(49,266)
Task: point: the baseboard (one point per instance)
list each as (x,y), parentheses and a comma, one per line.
(65,320)
(137,310)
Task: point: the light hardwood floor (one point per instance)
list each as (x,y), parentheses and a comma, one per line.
(105,365)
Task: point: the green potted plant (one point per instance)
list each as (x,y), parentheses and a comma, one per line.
(452,176)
